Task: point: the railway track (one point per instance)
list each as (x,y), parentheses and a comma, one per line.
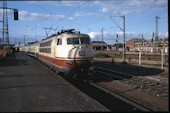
(123,98)
(152,87)
(90,82)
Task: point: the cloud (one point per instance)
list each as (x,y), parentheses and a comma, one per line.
(94,34)
(120,7)
(158,4)
(120,33)
(27,16)
(129,6)
(67,3)
(163,34)
(126,33)
(79,14)
(72,3)
(105,9)
(110,37)
(167,34)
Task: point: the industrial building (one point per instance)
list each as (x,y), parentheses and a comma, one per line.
(136,44)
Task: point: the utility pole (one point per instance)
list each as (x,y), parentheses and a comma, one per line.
(153,43)
(102,38)
(156,28)
(15,41)
(5,37)
(141,49)
(117,41)
(140,53)
(5,33)
(24,38)
(35,32)
(142,43)
(124,56)
(163,54)
(1,39)
(156,32)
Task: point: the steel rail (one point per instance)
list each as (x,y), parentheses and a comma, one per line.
(124,74)
(117,72)
(141,84)
(124,99)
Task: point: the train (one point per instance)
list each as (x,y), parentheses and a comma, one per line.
(69,52)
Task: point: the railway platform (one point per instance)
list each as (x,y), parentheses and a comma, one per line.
(28,86)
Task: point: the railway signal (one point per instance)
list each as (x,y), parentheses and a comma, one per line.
(15,14)
(117,41)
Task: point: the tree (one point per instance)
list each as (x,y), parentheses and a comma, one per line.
(119,45)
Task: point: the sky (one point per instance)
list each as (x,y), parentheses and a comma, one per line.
(88,17)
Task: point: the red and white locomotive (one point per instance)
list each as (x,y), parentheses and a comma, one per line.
(68,51)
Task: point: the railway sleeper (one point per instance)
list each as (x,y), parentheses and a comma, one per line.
(145,88)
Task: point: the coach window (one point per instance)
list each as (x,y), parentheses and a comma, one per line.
(49,43)
(59,41)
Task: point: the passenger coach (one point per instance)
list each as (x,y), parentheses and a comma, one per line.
(33,49)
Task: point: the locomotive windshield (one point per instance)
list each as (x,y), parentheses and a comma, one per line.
(78,41)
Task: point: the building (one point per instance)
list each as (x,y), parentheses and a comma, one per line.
(147,46)
(98,45)
(131,44)
(152,46)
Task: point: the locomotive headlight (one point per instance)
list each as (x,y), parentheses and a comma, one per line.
(82,48)
(82,53)
(92,61)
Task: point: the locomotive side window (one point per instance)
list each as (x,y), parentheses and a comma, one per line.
(59,41)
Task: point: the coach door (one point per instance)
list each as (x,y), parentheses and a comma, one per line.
(58,48)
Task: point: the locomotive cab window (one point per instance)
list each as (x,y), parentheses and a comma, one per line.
(78,41)
(85,41)
(73,41)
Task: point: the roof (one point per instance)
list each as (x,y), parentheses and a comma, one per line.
(99,43)
(136,39)
(141,40)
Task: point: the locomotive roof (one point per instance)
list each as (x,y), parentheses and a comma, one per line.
(65,32)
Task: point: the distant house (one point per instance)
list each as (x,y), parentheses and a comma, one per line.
(99,45)
(155,47)
(136,44)
(130,44)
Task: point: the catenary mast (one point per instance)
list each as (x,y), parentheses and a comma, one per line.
(5,33)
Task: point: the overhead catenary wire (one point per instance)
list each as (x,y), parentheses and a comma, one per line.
(72,21)
(72,11)
(61,19)
(115,23)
